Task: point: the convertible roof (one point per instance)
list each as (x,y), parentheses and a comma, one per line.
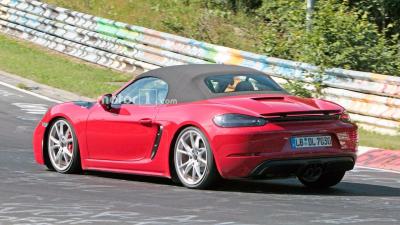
(186,82)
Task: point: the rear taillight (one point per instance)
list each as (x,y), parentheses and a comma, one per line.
(345,117)
(353,136)
(348,140)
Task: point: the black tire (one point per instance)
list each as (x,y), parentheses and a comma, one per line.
(326,180)
(75,164)
(211,174)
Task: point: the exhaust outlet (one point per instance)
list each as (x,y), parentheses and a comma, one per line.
(312,172)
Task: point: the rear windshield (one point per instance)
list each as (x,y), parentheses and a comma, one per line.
(237,83)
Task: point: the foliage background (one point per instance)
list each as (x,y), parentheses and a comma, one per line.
(352,34)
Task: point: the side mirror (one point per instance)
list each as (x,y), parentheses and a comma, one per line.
(105,101)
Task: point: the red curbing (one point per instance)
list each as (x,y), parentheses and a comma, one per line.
(381,159)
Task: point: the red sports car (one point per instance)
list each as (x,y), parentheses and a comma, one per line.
(198,123)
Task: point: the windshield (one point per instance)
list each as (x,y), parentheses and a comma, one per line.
(238,83)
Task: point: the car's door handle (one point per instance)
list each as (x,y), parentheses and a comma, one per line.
(146,121)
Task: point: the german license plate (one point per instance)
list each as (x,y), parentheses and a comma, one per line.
(311,141)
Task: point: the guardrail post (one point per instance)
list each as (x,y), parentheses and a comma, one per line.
(310,10)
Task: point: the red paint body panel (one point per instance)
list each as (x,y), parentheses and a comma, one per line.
(119,141)
(119,135)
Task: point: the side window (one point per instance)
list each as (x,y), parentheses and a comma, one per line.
(236,83)
(145,91)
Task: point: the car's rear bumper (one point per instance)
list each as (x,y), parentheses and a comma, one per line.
(288,167)
(238,152)
(250,166)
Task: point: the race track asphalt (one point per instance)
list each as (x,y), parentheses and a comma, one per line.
(30,194)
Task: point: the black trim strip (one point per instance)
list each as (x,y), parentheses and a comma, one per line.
(156,142)
(302,113)
(294,165)
(303,118)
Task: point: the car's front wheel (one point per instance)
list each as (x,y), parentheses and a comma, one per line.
(62,147)
(194,160)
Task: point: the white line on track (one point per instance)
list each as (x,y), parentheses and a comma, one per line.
(32,108)
(377,169)
(30,93)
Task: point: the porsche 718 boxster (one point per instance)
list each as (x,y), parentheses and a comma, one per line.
(197,124)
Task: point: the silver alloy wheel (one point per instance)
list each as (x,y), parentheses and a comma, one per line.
(191,157)
(61,145)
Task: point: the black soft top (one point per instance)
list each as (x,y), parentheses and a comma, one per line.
(186,82)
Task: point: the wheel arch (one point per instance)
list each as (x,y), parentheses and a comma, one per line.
(175,136)
(171,164)
(46,158)
(45,152)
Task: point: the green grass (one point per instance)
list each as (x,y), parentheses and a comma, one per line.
(372,139)
(56,70)
(22,86)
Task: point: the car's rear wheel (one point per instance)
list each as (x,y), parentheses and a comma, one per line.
(62,147)
(194,160)
(323,180)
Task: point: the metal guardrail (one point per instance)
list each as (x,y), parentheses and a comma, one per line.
(373,99)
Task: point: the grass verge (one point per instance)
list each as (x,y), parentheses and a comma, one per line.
(372,139)
(53,69)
